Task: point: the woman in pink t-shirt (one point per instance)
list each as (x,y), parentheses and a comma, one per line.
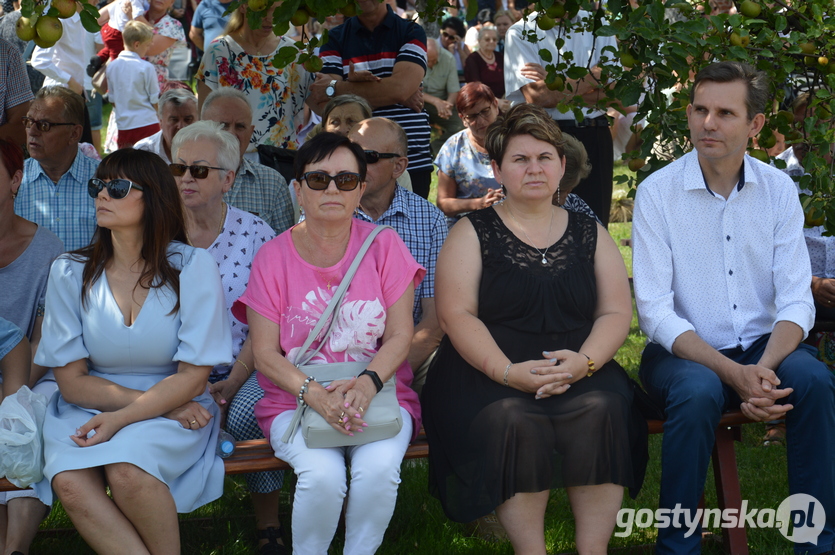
(293,278)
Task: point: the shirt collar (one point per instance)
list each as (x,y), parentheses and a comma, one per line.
(695,177)
(398,205)
(73,172)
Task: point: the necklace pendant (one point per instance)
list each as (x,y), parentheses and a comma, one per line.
(544,262)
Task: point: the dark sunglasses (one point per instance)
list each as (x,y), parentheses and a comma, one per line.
(197,172)
(319,181)
(448,36)
(42,125)
(116,188)
(372,156)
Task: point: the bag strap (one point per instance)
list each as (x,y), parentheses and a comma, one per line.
(335,301)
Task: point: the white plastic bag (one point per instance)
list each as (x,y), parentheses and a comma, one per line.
(21,437)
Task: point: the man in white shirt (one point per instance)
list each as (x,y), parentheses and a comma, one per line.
(593,130)
(722,286)
(177,108)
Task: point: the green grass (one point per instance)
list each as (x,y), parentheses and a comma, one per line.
(419,525)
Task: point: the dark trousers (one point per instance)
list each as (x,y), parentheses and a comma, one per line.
(694,399)
(421,181)
(596,189)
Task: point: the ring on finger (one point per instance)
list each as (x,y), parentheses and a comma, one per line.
(362,409)
(193,422)
(342,416)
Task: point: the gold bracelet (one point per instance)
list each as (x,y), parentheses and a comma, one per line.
(590,363)
(244,365)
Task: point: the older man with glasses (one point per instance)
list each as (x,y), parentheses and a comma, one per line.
(53,193)
(421,226)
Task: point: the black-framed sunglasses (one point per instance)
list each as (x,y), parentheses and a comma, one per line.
(372,156)
(116,188)
(197,172)
(42,125)
(319,181)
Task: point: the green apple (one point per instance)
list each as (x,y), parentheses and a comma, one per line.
(760,155)
(545,23)
(558,84)
(557,11)
(636,164)
(257,5)
(49,30)
(25,29)
(807,48)
(300,18)
(751,9)
(66,8)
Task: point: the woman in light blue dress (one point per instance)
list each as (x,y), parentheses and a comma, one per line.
(134,323)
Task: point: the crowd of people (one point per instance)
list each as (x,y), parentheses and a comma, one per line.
(185,283)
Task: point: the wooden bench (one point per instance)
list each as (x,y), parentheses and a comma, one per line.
(257,456)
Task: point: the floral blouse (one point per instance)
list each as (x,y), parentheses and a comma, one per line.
(275,95)
(169,27)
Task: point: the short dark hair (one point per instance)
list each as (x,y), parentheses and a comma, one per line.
(522,119)
(323,145)
(727,72)
(454,23)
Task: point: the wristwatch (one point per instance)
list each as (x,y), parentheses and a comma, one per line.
(331,90)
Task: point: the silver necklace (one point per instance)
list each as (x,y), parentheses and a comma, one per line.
(541,253)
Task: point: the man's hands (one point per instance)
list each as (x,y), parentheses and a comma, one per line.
(757,386)
(823,290)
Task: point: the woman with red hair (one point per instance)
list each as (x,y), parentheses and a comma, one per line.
(465,177)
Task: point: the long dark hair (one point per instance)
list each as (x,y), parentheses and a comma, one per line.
(164,222)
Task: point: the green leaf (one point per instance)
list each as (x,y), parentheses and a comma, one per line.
(606,31)
(472,10)
(89,21)
(780,23)
(285,56)
(576,72)
(545,55)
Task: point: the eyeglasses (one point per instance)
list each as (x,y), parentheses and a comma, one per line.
(471,118)
(372,156)
(319,181)
(116,188)
(197,172)
(448,36)
(42,125)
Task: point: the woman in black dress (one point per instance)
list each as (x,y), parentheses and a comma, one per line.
(524,395)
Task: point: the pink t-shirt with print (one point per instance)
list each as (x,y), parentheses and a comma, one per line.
(293,293)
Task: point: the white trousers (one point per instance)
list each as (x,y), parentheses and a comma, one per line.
(322,486)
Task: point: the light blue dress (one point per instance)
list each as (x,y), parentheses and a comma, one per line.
(138,357)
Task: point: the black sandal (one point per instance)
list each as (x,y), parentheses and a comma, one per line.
(272,547)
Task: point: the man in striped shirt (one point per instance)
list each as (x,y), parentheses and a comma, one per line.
(382,58)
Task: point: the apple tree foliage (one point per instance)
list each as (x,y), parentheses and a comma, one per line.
(662,44)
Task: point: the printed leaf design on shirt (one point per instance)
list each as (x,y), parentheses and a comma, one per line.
(359,327)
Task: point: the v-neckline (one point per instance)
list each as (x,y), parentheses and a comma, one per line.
(118,307)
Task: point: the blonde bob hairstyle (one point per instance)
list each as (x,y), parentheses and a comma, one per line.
(522,119)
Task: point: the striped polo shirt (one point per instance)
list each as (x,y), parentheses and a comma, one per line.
(394,40)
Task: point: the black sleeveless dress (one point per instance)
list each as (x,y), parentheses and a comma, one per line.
(487,441)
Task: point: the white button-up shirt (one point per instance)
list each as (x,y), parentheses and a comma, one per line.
(133,89)
(69,57)
(726,269)
(154,144)
(586,48)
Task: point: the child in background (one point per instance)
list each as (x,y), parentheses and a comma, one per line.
(133,88)
(121,12)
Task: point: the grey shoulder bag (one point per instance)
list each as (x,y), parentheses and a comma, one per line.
(382,415)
